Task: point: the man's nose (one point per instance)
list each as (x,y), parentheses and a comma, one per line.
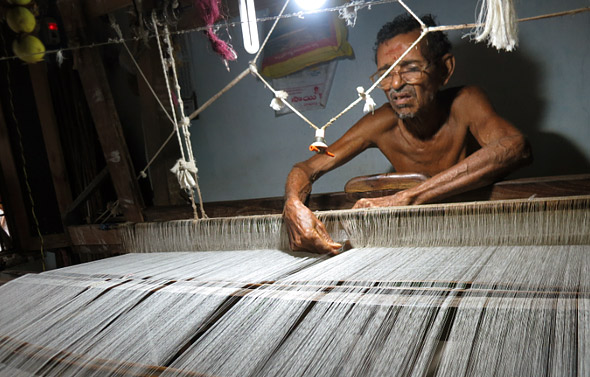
(396,81)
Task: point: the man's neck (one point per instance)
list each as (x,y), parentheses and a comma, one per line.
(426,123)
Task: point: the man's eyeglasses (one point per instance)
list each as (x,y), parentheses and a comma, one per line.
(411,74)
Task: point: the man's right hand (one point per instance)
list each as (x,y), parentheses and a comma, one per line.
(306,232)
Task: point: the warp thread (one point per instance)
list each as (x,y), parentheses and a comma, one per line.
(209,12)
(514,222)
(502,311)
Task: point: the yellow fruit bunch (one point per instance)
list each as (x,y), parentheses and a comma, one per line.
(22,21)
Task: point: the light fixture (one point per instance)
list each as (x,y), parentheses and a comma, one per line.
(249,26)
(310,4)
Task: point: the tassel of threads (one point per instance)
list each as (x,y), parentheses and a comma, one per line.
(209,12)
(497,24)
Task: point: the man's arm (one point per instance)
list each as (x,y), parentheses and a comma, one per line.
(503,149)
(305,231)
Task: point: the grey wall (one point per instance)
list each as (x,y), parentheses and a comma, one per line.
(244,151)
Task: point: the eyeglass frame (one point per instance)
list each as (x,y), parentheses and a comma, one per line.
(375,76)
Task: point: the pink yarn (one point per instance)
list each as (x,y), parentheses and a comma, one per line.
(209,12)
(174,98)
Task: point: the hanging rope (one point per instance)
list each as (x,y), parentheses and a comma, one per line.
(185,122)
(185,168)
(117,29)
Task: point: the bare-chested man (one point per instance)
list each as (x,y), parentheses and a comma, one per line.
(421,130)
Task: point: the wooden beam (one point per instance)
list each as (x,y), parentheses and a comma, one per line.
(389,181)
(98,94)
(95,8)
(545,187)
(50,241)
(14,204)
(538,187)
(84,235)
(57,164)
(92,186)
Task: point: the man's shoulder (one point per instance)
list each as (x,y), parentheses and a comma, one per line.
(382,117)
(465,93)
(469,105)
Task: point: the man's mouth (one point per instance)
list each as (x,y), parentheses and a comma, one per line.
(400,98)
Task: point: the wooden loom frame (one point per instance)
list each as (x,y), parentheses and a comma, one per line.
(76,14)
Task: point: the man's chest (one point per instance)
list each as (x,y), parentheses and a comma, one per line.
(430,156)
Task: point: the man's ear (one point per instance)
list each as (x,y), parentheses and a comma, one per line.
(448,61)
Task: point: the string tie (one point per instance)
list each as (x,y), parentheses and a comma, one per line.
(278,102)
(184,171)
(185,122)
(369,102)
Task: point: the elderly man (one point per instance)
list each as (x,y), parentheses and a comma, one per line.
(420,130)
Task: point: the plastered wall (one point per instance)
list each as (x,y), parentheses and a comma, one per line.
(244,151)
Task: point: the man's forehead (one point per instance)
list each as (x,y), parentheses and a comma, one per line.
(395,47)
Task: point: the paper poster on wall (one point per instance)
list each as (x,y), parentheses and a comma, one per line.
(295,45)
(308,89)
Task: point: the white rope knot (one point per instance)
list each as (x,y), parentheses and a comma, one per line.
(142,174)
(278,102)
(185,122)
(349,13)
(184,171)
(253,68)
(369,102)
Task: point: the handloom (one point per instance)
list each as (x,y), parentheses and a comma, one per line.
(473,289)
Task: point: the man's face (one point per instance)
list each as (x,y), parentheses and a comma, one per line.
(406,99)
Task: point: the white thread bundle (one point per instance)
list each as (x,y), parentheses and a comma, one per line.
(498,24)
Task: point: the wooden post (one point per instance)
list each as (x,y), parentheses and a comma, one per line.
(14,200)
(88,62)
(57,165)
